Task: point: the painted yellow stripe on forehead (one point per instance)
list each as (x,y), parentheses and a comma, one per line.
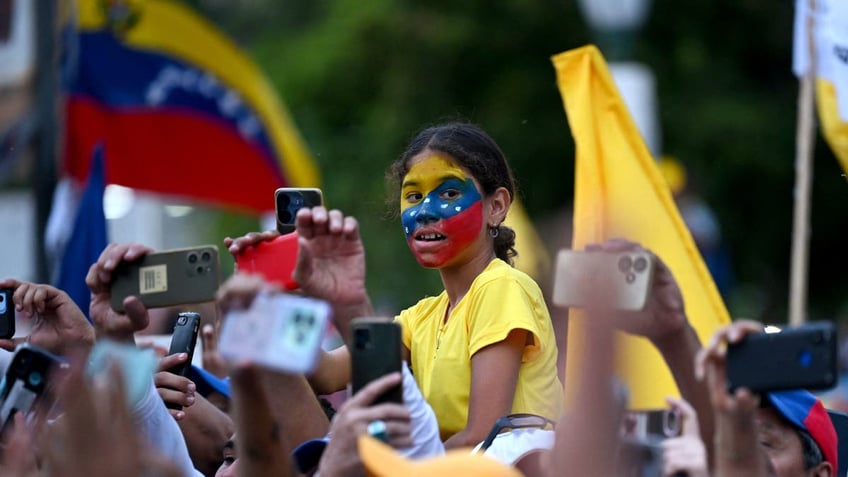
(429,173)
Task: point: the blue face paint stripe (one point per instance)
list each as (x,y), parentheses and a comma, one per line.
(433,207)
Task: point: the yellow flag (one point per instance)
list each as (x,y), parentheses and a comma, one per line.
(620,192)
(834,129)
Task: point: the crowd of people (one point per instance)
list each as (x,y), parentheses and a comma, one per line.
(479,365)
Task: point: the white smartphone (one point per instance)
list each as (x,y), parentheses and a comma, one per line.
(278,331)
(619,281)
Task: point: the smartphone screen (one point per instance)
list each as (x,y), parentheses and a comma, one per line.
(376,352)
(804,357)
(288,200)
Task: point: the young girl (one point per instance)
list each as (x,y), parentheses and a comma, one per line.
(485,346)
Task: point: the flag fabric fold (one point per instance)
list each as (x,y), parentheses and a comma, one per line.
(88,236)
(181,110)
(620,192)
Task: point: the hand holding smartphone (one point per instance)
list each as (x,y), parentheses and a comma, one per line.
(620,281)
(168,278)
(376,352)
(803,357)
(26,380)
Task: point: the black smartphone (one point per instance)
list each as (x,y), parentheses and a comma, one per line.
(288,200)
(25,381)
(803,357)
(7,313)
(376,352)
(168,278)
(184,340)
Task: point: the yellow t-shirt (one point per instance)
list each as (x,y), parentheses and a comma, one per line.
(501,299)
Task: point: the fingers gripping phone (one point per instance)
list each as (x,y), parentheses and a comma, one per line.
(376,352)
(804,357)
(25,381)
(619,281)
(288,200)
(7,313)
(167,278)
(184,339)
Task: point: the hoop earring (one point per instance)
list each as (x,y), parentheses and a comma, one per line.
(494,231)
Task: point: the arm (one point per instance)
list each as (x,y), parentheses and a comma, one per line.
(737,447)
(494,376)
(332,372)
(664,323)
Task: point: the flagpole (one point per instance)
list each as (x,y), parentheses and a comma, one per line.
(804,145)
(46,140)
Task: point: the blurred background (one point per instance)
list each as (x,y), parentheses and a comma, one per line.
(714,86)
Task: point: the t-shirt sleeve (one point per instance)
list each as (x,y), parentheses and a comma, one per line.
(499,307)
(406,334)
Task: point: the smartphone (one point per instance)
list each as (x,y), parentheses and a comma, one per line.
(288,200)
(184,339)
(274,260)
(639,457)
(376,352)
(803,357)
(168,278)
(7,313)
(25,380)
(279,331)
(619,281)
(659,423)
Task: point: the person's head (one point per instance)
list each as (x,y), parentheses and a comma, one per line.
(229,466)
(797,434)
(455,191)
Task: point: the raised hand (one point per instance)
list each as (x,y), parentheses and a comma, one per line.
(57,322)
(173,388)
(686,453)
(664,313)
(331,257)
(108,322)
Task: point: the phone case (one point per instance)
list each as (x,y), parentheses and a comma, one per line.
(25,380)
(804,357)
(278,331)
(7,314)
(376,352)
(274,260)
(614,280)
(172,277)
(288,200)
(184,339)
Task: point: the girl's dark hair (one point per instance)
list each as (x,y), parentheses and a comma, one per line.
(477,152)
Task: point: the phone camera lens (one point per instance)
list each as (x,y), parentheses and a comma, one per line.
(361,338)
(640,264)
(192,258)
(283,201)
(34,378)
(2,297)
(206,256)
(630,277)
(286,217)
(182,320)
(624,264)
(200,270)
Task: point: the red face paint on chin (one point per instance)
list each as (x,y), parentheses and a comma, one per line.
(459,230)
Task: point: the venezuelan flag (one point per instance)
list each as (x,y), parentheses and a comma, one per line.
(179,108)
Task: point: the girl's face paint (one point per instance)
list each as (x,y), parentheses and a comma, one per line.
(441,210)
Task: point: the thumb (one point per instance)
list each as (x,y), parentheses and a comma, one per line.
(208,338)
(136,313)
